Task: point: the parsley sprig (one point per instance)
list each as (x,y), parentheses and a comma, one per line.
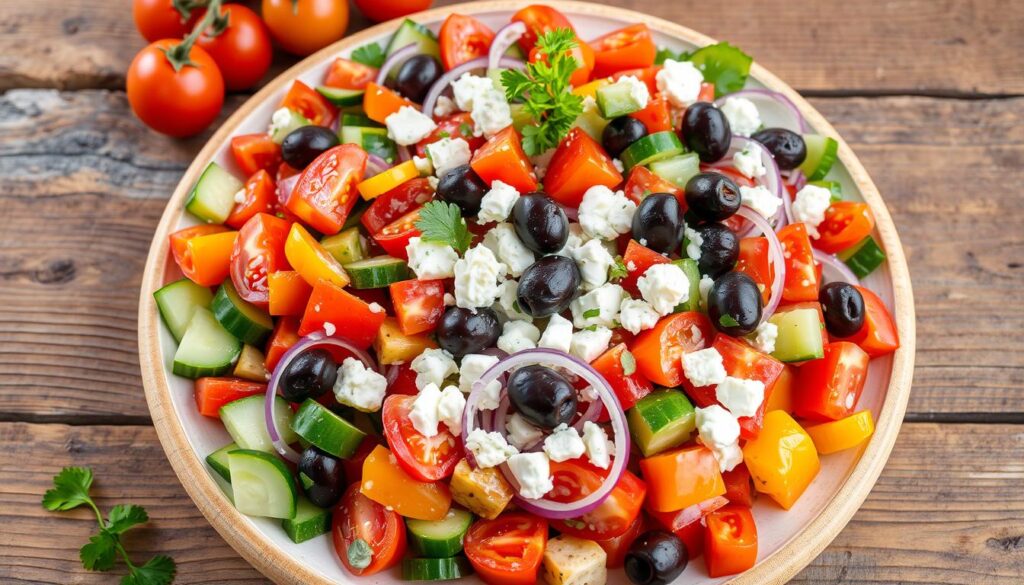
(71,490)
(546,92)
(441,222)
(370,55)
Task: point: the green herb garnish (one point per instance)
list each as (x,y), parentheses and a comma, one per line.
(728,321)
(591,313)
(441,222)
(724,65)
(618,270)
(664,54)
(465,130)
(370,55)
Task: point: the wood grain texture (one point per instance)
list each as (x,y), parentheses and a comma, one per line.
(965,529)
(84,186)
(932,46)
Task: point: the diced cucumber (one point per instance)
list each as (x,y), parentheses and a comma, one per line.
(689,268)
(372,140)
(218,461)
(800,335)
(213,197)
(347,247)
(377,272)
(590,121)
(295,120)
(206,349)
(436,569)
(822,152)
(342,97)
(677,169)
(442,538)
(178,302)
(616,99)
(251,365)
(651,148)
(411,32)
(864,257)
(661,420)
(262,484)
(245,421)
(309,522)
(834,187)
(358,120)
(242,319)
(328,431)
(521,118)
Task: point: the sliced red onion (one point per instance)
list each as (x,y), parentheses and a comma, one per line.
(285,187)
(505,38)
(830,263)
(445,80)
(403,153)
(571,213)
(589,415)
(375,165)
(774,256)
(768,98)
(392,373)
(311,340)
(396,59)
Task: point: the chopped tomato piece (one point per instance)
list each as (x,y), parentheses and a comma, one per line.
(386,483)
(575,479)
(637,260)
(424,458)
(419,304)
(738,486)
(801,282)
(628,48)
(681,478)
(256,152)
(539,20)
(353,318)
(213,393)
(878,336)
(846,223)
(782,459)
(642,182)
(581,53)
(628,388)
(203,253)
(395,203)
(353,466)
(659,351)
(360,518)
(617,547)
(288,293)
(578,164)
(346,74)
(260,196)
(507,550)
(404,380)
(326,190)
(730,541)
(831,386)
(258,252)
(753,261)
(395,236)
(707,92)
(463,38)
(458,125)
(380,102)
(502,158)
(285,335)
(648,75)
(307,101)
(656,117)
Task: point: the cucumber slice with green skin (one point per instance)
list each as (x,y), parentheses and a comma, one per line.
(439,539)
(262,484)
(590,121)
(178,301)
(377,272)
(616,99)
(218,461)
(328,431)
(245,422)
(661,420)
(206,349)
(213,196)
(411,32)
(372,140)
(436,569)
(689,268)
(347,246)
(358,120)
(864,257)
(295,120)
(834,187)
(822,152)
(309,522)
(342,97)
(651,148)
(241,319)
(800,337)
(677,169)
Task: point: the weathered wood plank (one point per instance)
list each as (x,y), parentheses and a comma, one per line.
(955,488)
(946,46)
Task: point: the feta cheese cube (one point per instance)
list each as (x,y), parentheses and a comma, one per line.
(809,206)
(408,126)
(593,261)
(423,413)
(491,113)
(748,162)
(497,203)
(664,286)
(489,449)
(517,336)
(473,366)
(476,278)
(503,241)
(704,286)
(431,260)
(329,328)
(432,367)
(521,433)
(563,444)
(604,213)
(704,367)
(599,448)
(448,153)
(557,334)
(680,82)
(575,240)
(636,315)
(761,200)
(744,119)
(765,336)
(467,88)
(423,165)
(719,431)
(589,344)
(508,303)
(638,91)
(741,397)
(279,119)
(359,387)
(598,307)
(533,473)
(618,165)
(693,243)
(444,106)
(450,409)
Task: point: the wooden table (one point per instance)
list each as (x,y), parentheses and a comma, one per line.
(930,94)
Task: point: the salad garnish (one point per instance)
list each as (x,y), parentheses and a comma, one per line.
(442,222)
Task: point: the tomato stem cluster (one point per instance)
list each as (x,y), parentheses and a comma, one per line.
(178,55)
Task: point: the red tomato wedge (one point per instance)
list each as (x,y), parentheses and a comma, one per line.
(260,196)
(878,336)
(801,282)
(578,164)
(213,393)
(581,53)
(730,541)
(846,223)
(259,251)
(454,126)
(508,549)
(539,20)
(395,236)
(637,260)
(424,458)
(628,388)
(648,75)
(501,158)
(738,486)
(307,101)
(350,315)
(642,182)
(360,518)
(628,48)
(463,38)
(576,479)
(419,304)
(395,203)
(830,387)
(256,152)
(753,261)
(656,117)
(616,548)
(346,74)
(285,335)
(659,351)
(325,192)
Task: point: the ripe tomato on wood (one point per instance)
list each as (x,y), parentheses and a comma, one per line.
(241,49)
(159,19)
(177,102)
(463,38)
(302,27)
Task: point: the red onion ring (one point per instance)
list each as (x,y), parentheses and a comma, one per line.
(401,55)
(285,187)
(547,508)
(505,38)
(445,80)
(798,123)
(375,165)
(774,256)
(311,340)
(403,153)
(830,262)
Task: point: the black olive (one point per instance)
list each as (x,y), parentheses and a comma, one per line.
(620,133)
(843,307)
(706,131)
(719,249)
(656,557)
(416,75)
(463,331)
(548,286)
(463,187)
(658,223)
(788,147)
(542,396)
(305,143)
(540,223)
(325,478)
(735,304)
(311,374)
(712,196)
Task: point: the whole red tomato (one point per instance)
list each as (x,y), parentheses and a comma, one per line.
(178,102)
(305,26)
(381,10)
(159,19)
(242,50)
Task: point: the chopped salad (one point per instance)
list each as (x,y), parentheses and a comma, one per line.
(528,306)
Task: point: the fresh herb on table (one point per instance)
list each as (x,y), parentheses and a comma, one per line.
(441,222)
(370,55)
(546,92)
(71,490)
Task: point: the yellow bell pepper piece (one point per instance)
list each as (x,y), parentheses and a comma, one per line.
(842,434)
(386,483)
(379,184)
(394,347)
(781,397)
(590,89)
(782,459)
(311,260)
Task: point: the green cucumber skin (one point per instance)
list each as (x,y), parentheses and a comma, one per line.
(328,431)
(614,100)
(442,538)
(864,257)
(213,196)
(346,247)
(230,309)
(203,325)
(269,465)
(177,303)
(296,121)
(341,97)
(218,461)
(244,420)
(436,569)
(358,120)
(651,148)
(309,522)
(692,272)
(800,335)
(661,420)
(678,169)
(378,272)
(822,152)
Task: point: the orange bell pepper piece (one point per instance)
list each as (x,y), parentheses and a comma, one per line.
(388,484)
(681,478)
(842,434)
(782,459)
(781,396)
(380,102)
(211,257)
(311,260)
(289,292)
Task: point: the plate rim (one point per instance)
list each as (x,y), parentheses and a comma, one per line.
(281,567)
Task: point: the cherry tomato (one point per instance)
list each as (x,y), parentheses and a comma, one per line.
(878,336)
(302,27)
(801,283)
(456,126)
(576,479)
(424,458)
(659,351)
(627,48)
(578,164)
(846,223)
(177,103)
(242,50)
(381,10)
(730,541)
(310,103)
(360,518)
(463,38)
(159,19)
(539,20)
(584,57)
(259,250)
(419,304)
(326,190)
(395,203)
(502,158)
(260,194)
(255,152)
(508,549)
(395,236)
(347,74)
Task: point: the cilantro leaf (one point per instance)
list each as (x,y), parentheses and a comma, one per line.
(728,321)
(159,570)
(664,54)
(724,65)
(123,517)
(441,222)
(100,553)
(370,55)
(465,130)
(70,489)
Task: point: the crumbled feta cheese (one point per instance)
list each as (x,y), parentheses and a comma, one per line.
(423,165)
(433,182)
(375,308)
(521,433)
(557,334)
(636,315)
(508,248)
(693,243)
(703,367)
(491,113)
(618,165)
(593,260)
(604,213)
(589,344)
(598,307)
(575,240)
(358,387)
(408,126)
(467,88)
(664,286)
(517,336)
(240,196)
(809,206)
(704,286)
(423,413)
(765,336)
(476,278)
(533,473)
(432,367)
(719,431)
(741,397)
(449,300)
(450,409)
(497,203)
(638,91)
(680,82)
(508,303)
(489,449)
(473,366)
(564,443)
(599,449)
(431,260)
(329,328)
(448,153)
(744,119)
(279,119)
(444,106)
(748,162)
(761,200)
